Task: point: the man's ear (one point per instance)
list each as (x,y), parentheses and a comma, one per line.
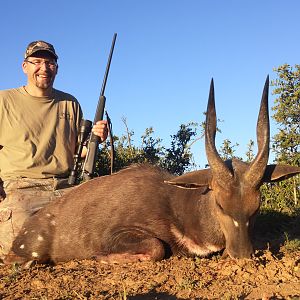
(24,67)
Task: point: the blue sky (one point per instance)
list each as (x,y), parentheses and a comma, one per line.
(166,53)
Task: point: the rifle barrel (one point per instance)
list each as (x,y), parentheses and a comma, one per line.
(90,160)
(108,64)
(101,102)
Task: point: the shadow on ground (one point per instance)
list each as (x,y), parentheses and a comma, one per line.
(272,229)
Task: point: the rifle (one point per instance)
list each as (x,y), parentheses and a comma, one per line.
(84,131)
(90,160)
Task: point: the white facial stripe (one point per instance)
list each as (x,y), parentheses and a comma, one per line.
(34,254)
(236,224)
(40,238)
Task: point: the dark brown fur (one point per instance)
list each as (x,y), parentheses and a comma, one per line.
(117,214)
(131,215)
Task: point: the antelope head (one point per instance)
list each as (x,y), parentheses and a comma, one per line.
(234,186)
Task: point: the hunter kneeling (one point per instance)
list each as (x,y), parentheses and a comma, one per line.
(39,128)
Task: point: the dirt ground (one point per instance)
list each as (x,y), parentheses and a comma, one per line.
(274,273)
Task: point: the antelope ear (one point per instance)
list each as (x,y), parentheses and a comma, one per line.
(279,172)
(192,180)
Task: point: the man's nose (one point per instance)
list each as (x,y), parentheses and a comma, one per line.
(44,65)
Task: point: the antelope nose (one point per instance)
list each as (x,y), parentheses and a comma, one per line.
(242,252)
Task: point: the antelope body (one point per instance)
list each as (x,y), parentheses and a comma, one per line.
(144,213)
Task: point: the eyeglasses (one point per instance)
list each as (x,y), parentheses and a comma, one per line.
(38,63)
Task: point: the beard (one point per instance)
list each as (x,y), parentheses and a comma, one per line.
(44,83)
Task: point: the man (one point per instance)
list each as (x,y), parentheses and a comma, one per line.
(38,136)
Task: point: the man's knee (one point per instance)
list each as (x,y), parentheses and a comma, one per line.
(18,206)
(7,230)
(23,199)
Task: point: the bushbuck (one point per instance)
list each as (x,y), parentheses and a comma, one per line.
(145,213)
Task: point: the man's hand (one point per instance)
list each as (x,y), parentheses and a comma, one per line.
(100,129)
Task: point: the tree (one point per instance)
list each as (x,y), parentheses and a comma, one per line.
(227,150)
(250,153)
(151,147)
(286,143)
(178,157)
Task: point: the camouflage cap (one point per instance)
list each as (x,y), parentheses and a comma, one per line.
(36,46)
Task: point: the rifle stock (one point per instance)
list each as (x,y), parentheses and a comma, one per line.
(91,156)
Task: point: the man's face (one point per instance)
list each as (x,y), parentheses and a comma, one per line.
(41,69)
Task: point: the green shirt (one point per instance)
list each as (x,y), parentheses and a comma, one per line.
(38,135)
